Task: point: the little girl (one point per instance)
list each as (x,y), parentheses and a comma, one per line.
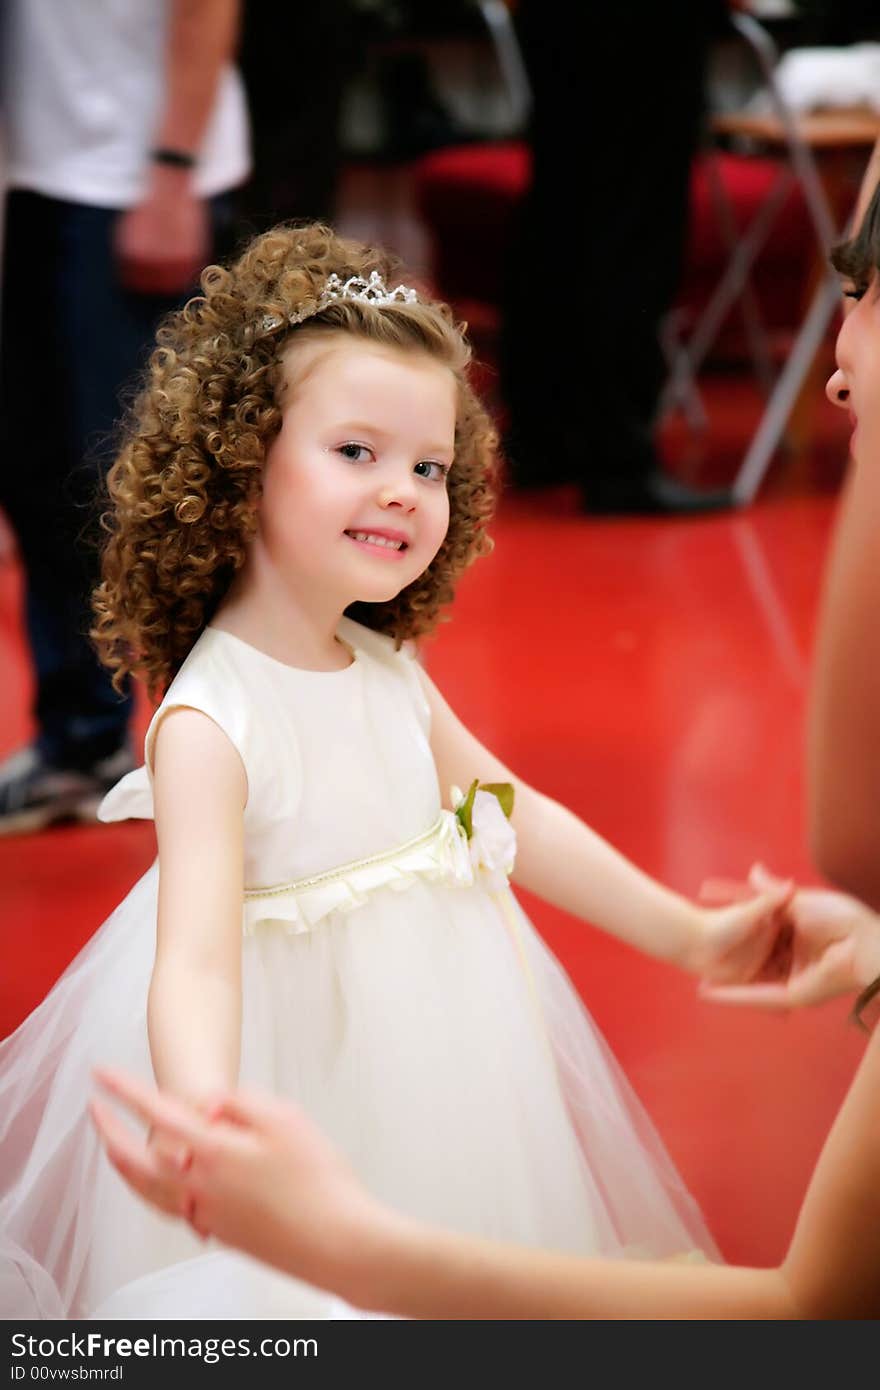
(305,476)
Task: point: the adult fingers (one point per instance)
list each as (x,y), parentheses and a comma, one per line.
(196,1217)
(143,1170)
(812,985)
(762,881)
(172,1117)
(250,1110)
(724,890)
(763,996)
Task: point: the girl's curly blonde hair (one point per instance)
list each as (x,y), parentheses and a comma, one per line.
(186,485)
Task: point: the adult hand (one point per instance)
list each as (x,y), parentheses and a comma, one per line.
(256,1173)
(834,946)
(163,243)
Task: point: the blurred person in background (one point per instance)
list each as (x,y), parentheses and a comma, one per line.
(627,158)
(125,123)
(294,105)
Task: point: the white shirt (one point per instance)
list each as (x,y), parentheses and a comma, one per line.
(83,92)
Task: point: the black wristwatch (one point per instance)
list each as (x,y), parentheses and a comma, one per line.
(177,159)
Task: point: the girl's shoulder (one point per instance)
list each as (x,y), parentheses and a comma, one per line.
(210,681)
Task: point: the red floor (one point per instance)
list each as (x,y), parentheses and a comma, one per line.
(651,675)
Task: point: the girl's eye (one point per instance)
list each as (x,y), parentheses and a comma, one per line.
(424,467)
(854,292)
(353,451)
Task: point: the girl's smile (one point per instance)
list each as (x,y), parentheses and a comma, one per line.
(389,544)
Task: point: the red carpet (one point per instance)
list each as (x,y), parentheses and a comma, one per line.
(651,675)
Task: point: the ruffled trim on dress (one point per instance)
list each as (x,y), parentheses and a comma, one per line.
(130,799)
(440,853)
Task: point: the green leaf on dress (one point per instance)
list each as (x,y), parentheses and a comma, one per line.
(503,791)
(464,809)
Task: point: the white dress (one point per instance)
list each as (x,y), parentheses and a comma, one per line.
(405,1001)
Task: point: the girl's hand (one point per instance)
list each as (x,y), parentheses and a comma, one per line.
(745,941)
(834,947)
(255,1173)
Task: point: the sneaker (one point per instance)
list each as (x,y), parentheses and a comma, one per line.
(34,793)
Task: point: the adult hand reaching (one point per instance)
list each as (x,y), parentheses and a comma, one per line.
(830,946)
(251,1170)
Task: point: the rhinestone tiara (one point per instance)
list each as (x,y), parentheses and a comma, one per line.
(372,291)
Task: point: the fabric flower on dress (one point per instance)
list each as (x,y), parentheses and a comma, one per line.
(483,814)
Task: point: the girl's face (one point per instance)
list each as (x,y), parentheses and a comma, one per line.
(855,386)
(354,491)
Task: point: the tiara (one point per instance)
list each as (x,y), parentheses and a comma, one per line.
(372,291)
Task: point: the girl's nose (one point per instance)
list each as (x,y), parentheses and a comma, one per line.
(837,390)
(401,495)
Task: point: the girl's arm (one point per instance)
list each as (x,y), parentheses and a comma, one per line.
(194,1014)
(262,1178)
(561,860)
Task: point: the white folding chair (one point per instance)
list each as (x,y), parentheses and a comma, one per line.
(801,142)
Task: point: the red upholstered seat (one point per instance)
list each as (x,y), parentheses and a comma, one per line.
(782,269)
(466,196)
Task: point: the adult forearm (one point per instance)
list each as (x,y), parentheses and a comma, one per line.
(834,1259)
(418,1272)
(202,36)
(844,759)
(194,1021)
(565,862)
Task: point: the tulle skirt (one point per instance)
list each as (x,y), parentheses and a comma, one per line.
(429,1032)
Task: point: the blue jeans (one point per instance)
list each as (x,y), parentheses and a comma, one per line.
(72,340)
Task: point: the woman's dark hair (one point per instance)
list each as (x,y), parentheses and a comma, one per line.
(867,995)
(859,258)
